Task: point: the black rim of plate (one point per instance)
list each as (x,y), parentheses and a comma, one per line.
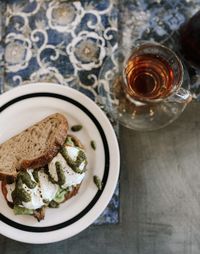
(106,167)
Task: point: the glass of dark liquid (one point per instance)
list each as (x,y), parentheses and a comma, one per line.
(152,72)
(148,90)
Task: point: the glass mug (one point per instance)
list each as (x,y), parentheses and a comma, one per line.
(149,88)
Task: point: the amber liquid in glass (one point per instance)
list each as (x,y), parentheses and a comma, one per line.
(148,77)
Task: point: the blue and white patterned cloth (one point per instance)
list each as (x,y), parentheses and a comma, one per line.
(63,42)
(58,41)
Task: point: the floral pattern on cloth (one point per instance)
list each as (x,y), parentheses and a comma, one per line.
(64,42)
(58,41)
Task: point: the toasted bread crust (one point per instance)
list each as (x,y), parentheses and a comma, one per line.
(46,157)
(39,214)
(72,193)
(8,178)
(4,189)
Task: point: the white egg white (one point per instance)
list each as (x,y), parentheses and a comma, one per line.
(71,177)
(52,166)
(72,152)
(45,190)
(48,189)
(36,198)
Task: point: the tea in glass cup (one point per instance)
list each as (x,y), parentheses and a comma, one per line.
(148,88)
(152,72)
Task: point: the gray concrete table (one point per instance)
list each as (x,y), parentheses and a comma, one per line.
(160,197)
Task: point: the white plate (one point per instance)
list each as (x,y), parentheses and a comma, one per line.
(25,105)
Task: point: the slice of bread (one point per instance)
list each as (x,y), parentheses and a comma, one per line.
(39,214)
(34,147)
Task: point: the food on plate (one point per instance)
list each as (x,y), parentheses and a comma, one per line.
(93,145)
(76,128)
(41,167)
(97,182)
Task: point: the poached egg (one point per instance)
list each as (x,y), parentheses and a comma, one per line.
(45,191)
(71,177)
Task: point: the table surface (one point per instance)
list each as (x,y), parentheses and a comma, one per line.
(160,202)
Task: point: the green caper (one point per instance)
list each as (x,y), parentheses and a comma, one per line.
(98,182)
(76,128)
(93,144)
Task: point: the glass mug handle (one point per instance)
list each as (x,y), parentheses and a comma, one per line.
(181,96)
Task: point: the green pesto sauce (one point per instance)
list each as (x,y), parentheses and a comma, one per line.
(75,164)
(50,178)
(69,141)
(19,195)
(53,204)
(60,173)
(26,179)
(18,210)
(60,195)
(36,176)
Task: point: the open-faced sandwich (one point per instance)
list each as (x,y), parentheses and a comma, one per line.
(41,167)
